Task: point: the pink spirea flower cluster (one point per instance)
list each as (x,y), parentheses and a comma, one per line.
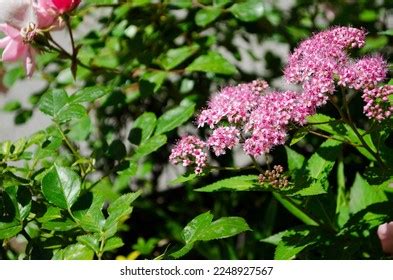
(244,114)
(190,151)
(322,61)
(268,123)
(318,59)
(258,120)
(233,104)
(223,138)
(22,20)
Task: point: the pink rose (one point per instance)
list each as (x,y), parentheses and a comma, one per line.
(15,48)
(385,234)
(65,6)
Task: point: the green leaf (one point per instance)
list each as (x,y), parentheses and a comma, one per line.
(142,128)
(343,132)
(250,10)
(91,241)
(71,111)
(12,105)
(53,101)
(61,186)
(151,82)
(207,15)
(174,57)
(78,252)
(212,63)
(293,207)
(388,32)
(89,94)
(201,228)
(62,224)
(181,3)
(313,179)
(195,228)
(175,117)
(295,160)
(93,220)
(299,135)
(118,210)
(149,146)
(363,195)
(13,75)
(224,228)
(113,243)
(238,183)
(57,104)
(294,241)
(81,129)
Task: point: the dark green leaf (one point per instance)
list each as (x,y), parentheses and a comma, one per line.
(61,186)
(113,243)
(175,117)
(142,128)
(212,63)
(294,241)
(207,15)
(174,57)
(238,183)
(363,195)
(250,10)
(150,146)
(224,228)
(89,94)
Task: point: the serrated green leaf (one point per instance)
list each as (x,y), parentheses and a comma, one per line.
(238,183)
(294,241)
(89,94)
(53,101)
(363,195)
(150,146)
(61,186)
(212,63)
(193,230)
(62,224)
(299,135)
(93,220)
(118,210)
(174,57)
(207,15)
(142,128)
(71,111)
(113,243)
(175,117)
(313,179)
(78,252)
(295,160)
(91,241)
(250,10)
(224,228)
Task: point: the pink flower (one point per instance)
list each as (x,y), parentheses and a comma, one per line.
(190,151)
(385,234)
(15,48)
(268,122)
(233,104)
(378,106)
(65,6)
(223,138)
(365,73)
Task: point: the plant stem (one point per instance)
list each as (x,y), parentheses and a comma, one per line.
(72,148)
(348,120)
